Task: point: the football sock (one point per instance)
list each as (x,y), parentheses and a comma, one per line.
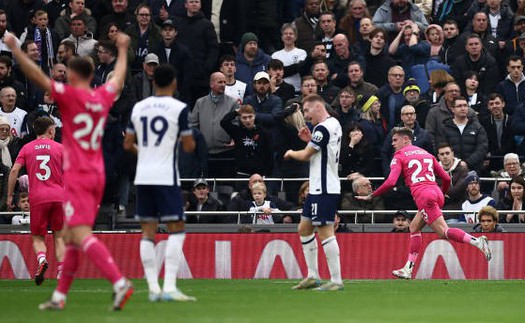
(459,235)
(149,263)
(173,259)
(60,267)
(331,250)
(310,255)
(414,246)
(69,268)
(99,254)
(41,257)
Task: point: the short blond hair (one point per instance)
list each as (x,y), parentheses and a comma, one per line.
(259,187)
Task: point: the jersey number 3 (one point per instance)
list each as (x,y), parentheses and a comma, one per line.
(429,173)
(43,159)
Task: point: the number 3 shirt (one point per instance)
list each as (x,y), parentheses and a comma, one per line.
(43,161)
(84,113)
(157,122)
(419,168)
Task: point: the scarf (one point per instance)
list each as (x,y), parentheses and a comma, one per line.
(6,156)
(46,58)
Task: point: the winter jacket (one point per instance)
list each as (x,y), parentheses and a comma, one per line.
(438,114)
(508,145)
(85,45)
(514,94)
(62,24)
(377,67)
(485,66)
(247,70)
(306,33)
(383,17)
(455,195)
(265,109)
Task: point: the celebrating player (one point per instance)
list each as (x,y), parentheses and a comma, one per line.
(42,158)
(84,112)
(419,169)
(156,123)
(321,203)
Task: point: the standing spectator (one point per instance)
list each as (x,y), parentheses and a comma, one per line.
(475,200)
(451,47)
(20,12)
(201,200)
(234,88)
(15,115)
(435,37)
(361,186)
(328,23)
(261,208)
(465,135)
(308,28)
(378,61)
(344,54)
(355,153)
(75,8)
(197,33)
(408,49)
(250,59)
(121,15)
(480,27)
(83,39)
(4,50)
(512,88)
(501,19)
(393,15)
(206,117)
(488,221)
(290,54)
(106,54)
(325,89)
(266,105)
(412,95)
(349,24)
(457,170)
(65,51)
(515,201)
(347,110)
(391,96)
(9,147)
(355,75)
(511,168)
(278,85)
(7,79)
(372,123)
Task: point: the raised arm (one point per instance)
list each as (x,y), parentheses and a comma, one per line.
(121,65)
(30,69)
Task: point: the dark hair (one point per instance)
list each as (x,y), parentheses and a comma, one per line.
(109,46)
(376,31)
(164,75)
(328,13)
(226,58)
(514,58)
(6,60)
(459,98)
(354,63)
(473,35)
(444,145)
(518,180)
(69,45)
(81,18)
(470,74)
(23,195)
(140,6)
(81,65)
(494,96)
(306,78)
(41,124)
(275,64)
(403,131)
(450,22)
(26,44)
(105,32)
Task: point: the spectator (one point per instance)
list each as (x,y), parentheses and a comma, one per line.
(438,80)
(512,46)
(499,132)
(16,116)
(391,96)
(206,116)
(4,50)
(488,221)
(163,10)
(65,51)
(451,47)
(172,52)
(479,61)
(480,27)
(378,61)
(75,8)
(142,83)
(514,202)
(355,153)
(347,110)
(121,15)
(512,88)
(393,15)
(308,29)
(83,39)
(339,63)
(361,186)
(457,170)
(372,123)
(20,12)
(475,200)
(435,37)
(408,49)
(411,92)
(355,75)
(451,10)
(302,194)
(22,206)
(366,25)
(261,208)
(200,200)
(501,20)
(250,60)
(253,144)
(9,147)
(55,8)
(476,99)
(197,33)
(266,105)
(325,89)
(290,54)
(318,53)
(465,135)
(350,23)
(278,86)
(328,23)
(7,79)
(400,222)
(106,54)
(234,88)
(511,168)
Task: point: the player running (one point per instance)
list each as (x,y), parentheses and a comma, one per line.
(419,169)
(157,124)
(323,196)
(84,112)
(42,159)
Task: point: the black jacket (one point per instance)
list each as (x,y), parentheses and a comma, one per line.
(485,66)
(508,145)
(377,67)
(211,204)
(234,19)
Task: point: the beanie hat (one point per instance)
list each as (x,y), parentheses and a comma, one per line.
(366,101)
(410,85)
(248,37)
(472,176)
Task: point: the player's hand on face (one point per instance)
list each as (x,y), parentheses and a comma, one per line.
(9,39)
(305,134)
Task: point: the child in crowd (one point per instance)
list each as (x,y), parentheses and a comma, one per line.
(261,207)
(23,207)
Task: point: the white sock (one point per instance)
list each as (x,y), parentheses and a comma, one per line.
(58,297)
(310,255)
(172,261)
(331,250)
(149,263)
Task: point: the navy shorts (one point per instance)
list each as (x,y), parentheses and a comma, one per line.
(157,203)
(321,209)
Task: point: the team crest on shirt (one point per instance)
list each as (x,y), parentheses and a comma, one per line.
(59,88)
(393,162)
(317,136)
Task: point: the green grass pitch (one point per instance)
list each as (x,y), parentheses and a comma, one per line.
(272,301)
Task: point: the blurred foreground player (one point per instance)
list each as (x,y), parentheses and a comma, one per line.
(156,126)
(419,168)
(42,159)
(84,112)
(320,206)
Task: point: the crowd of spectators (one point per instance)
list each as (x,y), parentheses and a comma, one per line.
(452,71)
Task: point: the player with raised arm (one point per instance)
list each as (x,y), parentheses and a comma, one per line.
(42,159)
(320,206)
(84,111)
(156,126)
(419,168)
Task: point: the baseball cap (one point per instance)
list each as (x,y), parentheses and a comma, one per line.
(260,76)
(401,213)
(151,58)
(200,181)
(472,176)
(168,23)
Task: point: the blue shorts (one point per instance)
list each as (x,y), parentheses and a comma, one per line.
(321,209)
(157,203)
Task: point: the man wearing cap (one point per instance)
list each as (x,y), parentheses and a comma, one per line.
(249,60)
(412,92)
(475,200)
(512,88)
(142,83)
(401,222)
(201,200)
(266,105)
(391,95)
(178,56)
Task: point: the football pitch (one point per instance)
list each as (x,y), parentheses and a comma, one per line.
(272,301)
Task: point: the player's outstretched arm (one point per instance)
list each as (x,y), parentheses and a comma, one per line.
(121,65)
(300,155)
(30,69)
(11,182)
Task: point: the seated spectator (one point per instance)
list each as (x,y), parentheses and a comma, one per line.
(435,37)
(22,206)
(65,51)
(514,202)
(476,100)
(457,170)
(4,175)
(7,79)
(408,49)
(290,54)
(361,186)
(278,86)
(347,110)
(475,200)
(16,116)
(144,36)
(341,224)
(488,221)
(511,167)
(411,91)
(200,200)
(142,83)
(401,222)
(438,80)
(266,105)
(355,153)
(355,75)
(9,145)
(261,208)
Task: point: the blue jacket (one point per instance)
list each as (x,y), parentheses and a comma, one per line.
(246,70)
(265,110)
(514,95)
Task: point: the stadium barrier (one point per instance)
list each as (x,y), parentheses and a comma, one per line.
(279,256)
